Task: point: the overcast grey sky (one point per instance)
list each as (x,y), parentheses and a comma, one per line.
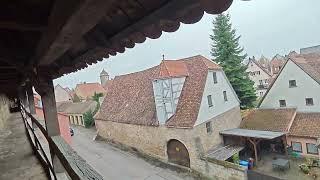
(266,27)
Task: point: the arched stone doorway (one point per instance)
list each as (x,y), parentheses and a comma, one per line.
(178,153)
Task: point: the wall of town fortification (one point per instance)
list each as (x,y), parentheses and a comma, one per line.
(153,140)
(4,110)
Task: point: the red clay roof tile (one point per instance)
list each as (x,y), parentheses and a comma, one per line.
(170,68)
(87,90)
(269,119)
(306,125)
(130,98)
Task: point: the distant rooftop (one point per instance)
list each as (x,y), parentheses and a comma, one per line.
(311,49)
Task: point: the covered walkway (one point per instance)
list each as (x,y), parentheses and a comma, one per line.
(254,137)
(60,37)
(17,160)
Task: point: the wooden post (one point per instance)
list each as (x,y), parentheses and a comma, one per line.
(30,99)
(49,108)
(22,96)
(46,90)
(32,108)
(254,143)
(284,141)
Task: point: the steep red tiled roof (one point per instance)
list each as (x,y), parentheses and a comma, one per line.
(306,125)
(108,85)
(87,90)
(210,65)
(131,99)
(169,68)
(269,119)
(76,108)
(309,63)
(191,95)
(277,61)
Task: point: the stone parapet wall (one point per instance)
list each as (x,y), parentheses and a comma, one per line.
(4,110)
(223,170)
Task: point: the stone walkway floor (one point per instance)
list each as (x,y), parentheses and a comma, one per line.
(16,158)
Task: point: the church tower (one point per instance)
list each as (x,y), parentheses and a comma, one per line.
(104,77)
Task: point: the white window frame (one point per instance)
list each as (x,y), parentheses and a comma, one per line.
(210,102)
(209,127)
(215,78)
(308,149)
(296,143)
(285,103)
(225,97)
(295,83)
(308,103)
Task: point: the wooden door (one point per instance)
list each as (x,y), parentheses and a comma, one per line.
(178,153)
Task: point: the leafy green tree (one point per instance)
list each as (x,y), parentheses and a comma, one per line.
(96,96)
(88,119)
(227,52)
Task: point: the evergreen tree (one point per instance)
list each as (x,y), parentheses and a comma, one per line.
(227,52)
(88,119)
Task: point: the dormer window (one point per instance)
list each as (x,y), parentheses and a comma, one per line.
(166,95)
(214,75)
(292,83)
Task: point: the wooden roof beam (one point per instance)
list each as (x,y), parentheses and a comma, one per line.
(167,11)
(68,22)
(7,67)
(10,62)
(20,27)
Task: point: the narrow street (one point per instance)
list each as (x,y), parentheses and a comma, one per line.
(113,163)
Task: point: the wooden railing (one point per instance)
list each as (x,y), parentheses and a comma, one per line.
(75,167)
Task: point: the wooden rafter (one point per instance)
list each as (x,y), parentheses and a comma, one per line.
(10,25)
(68,22)
(7,67)
(166,11)
(11,65)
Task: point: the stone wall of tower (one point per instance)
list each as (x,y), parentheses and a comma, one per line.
(104,78)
